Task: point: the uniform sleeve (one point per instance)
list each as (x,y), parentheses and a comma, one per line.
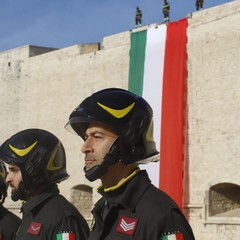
(71,228)
(176,225)
(9,226)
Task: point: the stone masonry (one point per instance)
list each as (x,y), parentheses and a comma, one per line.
(40,87)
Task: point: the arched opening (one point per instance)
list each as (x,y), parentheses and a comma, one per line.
(81,197)
(224,200)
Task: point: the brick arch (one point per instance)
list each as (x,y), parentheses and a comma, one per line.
(83,187)
(81,197)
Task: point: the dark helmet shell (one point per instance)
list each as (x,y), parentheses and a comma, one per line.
(128,114)
(40,156)
(3,185)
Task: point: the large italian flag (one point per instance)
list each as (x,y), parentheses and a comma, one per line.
(158,73)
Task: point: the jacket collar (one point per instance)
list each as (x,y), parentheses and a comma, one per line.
(129,193)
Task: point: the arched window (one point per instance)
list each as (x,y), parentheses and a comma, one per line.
(81,197)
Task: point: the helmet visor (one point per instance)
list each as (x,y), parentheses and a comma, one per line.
(78,125)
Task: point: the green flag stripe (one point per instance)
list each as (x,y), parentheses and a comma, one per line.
(137,57)
(164,238)
(59,236)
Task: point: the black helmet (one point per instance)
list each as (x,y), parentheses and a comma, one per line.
(128,114)
(3,185)
(39,155)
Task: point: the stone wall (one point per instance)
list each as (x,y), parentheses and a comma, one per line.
(42,90)
(213,111)
(41,86)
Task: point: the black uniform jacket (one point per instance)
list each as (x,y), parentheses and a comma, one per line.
(48,216)
(166,8)
(9,224)
(140,211)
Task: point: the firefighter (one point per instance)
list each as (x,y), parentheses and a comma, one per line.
(117,129)
(37,163)
(138,17)
(166,11)
(9,222)
(199,4)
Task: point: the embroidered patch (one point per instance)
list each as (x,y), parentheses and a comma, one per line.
(172,236)
(66,236)
(127,225)
(34,228)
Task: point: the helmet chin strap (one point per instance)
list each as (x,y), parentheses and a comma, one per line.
(112,157)
(95,172)
(20,194)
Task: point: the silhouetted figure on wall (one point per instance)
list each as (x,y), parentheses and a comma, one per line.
(138,17)
(199,4)
(166,11)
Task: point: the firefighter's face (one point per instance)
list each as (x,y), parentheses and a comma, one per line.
(98,140)
(14,177)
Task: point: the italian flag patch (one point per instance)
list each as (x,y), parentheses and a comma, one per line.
(176,236)
(66,236)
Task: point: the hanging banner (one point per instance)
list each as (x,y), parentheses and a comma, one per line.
(157,72)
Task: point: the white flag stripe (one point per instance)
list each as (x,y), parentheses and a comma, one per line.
(172,237)
(65,236)
(152,87)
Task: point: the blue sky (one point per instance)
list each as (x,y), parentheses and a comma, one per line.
(62,23)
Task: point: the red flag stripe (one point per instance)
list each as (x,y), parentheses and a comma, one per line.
(173,108)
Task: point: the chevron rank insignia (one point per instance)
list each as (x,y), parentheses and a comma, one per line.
(127,225)
(34,228)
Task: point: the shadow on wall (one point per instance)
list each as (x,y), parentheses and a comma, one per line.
(222,204)
(224,200)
